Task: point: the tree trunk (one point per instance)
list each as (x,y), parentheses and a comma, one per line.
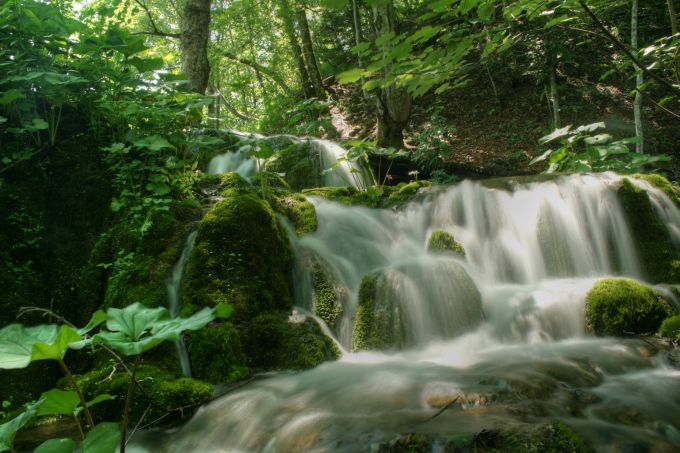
(288,27)
(195,30)
(672,13)
(308,54)
(637,105)
(394,102)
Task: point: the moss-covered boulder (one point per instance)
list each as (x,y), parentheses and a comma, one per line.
(299,164)
(297,209)
(327,303)
(273,341)
(621,306)
(165,394)
(443,241)
(217,355)
(372,197)
(657,255)
(663,184)
(670,328)
(378,323)
(241,257)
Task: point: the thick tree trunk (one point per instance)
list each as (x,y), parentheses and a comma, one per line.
(195,30)
(308,54)
(672,13)
(393,103)
(289,28)
(637,105)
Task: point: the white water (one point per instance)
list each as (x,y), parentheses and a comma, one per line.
(335,170)
(533,255)
(173,286)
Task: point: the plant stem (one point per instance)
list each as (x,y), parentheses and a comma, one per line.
(128,400)
(76,387)
(80,427)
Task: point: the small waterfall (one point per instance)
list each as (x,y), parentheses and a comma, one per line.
(173,285)
(335,169)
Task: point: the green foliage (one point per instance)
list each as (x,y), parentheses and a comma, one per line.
(9,429)
(433,144)
(443,241)
(620,306)
(308,117)
(580,150)
(670,328)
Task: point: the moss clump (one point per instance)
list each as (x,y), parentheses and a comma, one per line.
(269,180)
(167,394)
(655,250)
(297,209)
(216,354)
(378,323)
(241,257)
(372,197)
(273,342)
(442,241)
(299,164)
(670,328)
(328,306)
(619,306)
(661,183)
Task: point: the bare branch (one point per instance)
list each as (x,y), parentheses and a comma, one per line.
(154,29)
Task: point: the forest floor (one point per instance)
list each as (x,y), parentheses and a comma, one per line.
(489,131)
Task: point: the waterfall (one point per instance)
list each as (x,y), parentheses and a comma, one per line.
(173,286)
(492,339)
(336,170)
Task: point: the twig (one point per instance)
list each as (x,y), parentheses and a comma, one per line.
(443,409)
(156,31)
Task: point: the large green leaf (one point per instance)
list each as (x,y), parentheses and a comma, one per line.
(134,320)
(55,349)
(59,402)
(153,143)
(350,76)
(56,446)
(97,318)
(104,438)
(9,430)
(16,343)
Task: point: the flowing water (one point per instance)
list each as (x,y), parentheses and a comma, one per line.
(496,338)
(334,169)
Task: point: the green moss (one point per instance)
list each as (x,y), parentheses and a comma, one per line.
(216,354)
(272,342)
(372,197)
(328,306)
(620,306)
(377,324)
(269,180)
(509,184)
(298,164)
(661,183)
(297,209)
(670,328)
(442,241)
(241,257)
(657,255)
(165,393)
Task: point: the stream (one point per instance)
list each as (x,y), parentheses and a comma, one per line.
(493,340)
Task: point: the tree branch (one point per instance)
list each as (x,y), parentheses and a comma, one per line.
(155,31)
(259,68)
(230,107)
(623,48)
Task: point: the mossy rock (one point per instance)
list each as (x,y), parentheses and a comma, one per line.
(273,342)
(299,165)
(661,183)
(670,328)
(621,306)
(241,257)
(442,241)
(297,209)
(211,184)
(216,354)
(168,395)
(660,261)
(269,180)
(327,304)
(378,324)
(372,197)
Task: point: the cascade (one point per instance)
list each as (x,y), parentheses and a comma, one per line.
(335,170)
(173,286)
(492,337)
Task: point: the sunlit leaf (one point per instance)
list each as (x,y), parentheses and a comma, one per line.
(16,343)
(56,446)
(557,133)
(55,349)
(98,317)
(153,143)
(350,76)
